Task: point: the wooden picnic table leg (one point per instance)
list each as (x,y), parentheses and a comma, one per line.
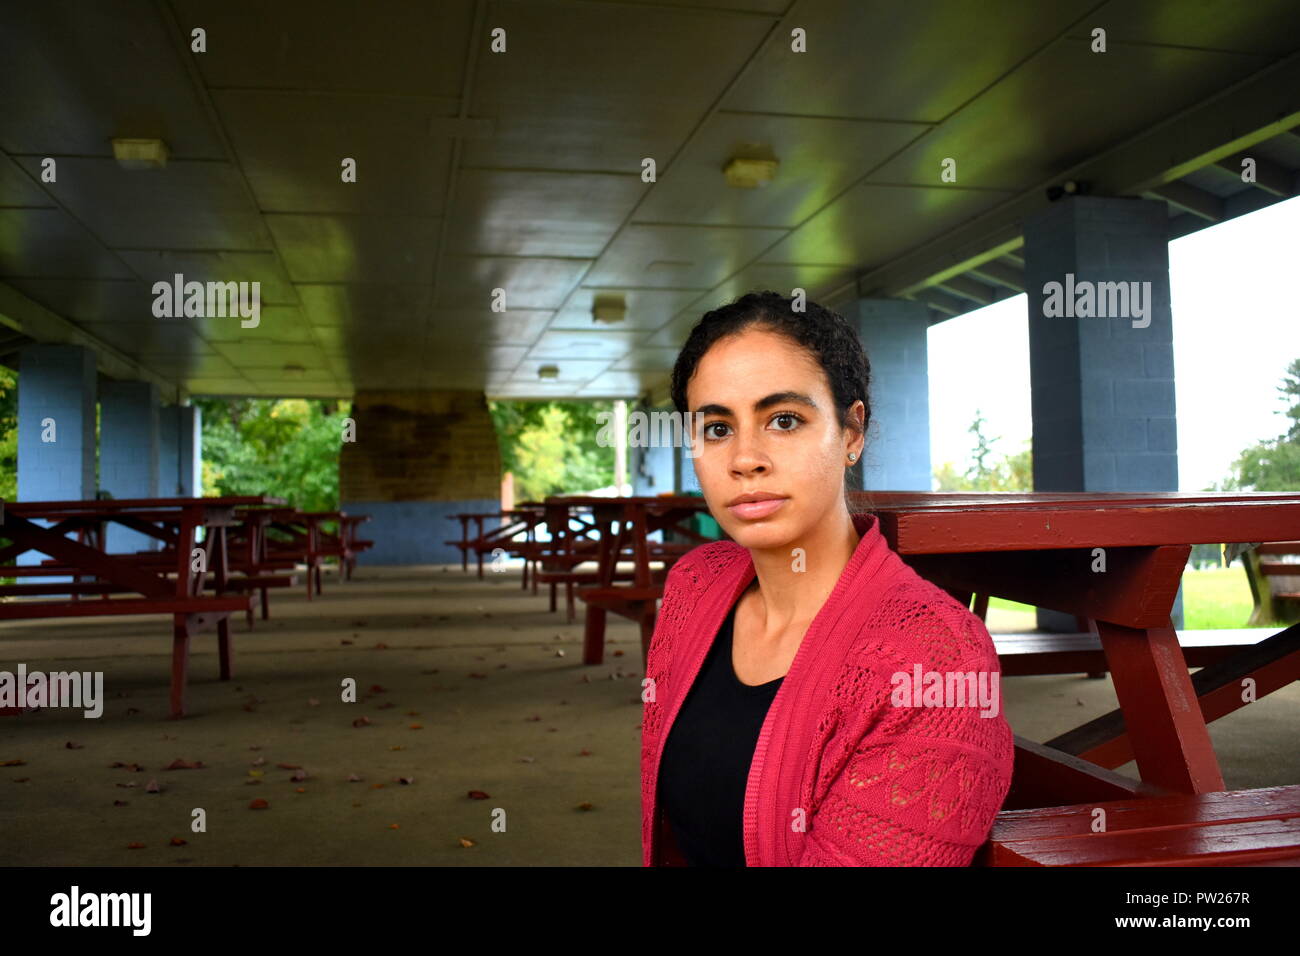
(1162,715)
(225,650)
(464,542)
(180,664)
(593,637)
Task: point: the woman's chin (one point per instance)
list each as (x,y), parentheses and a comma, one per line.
(761,535)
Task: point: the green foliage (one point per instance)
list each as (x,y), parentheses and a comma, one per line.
(8,434)
(288,448)
(1011,473)
(550,447)
(1272,465)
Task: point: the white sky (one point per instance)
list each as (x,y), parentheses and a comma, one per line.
(1236,328)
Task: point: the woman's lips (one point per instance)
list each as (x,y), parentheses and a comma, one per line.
(756,509)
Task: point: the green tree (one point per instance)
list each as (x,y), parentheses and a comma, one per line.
(550,447)
(1010,473)
(287,447)
(8,434)
(1272,465)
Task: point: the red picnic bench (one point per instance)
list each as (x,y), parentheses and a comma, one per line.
(168,582)
(1259,827)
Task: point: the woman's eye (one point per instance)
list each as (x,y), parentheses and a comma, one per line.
(792,419)
(709,434)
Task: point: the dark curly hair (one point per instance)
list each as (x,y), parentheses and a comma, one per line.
(825,334)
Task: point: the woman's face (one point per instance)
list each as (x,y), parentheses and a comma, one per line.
(769,427)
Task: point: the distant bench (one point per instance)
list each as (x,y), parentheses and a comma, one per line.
(1274,584)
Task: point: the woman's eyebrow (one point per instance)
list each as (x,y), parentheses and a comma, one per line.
(780,398)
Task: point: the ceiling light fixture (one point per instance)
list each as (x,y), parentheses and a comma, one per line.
(751,165)
(548,371)
(293,370)
(608,308)
(140,153)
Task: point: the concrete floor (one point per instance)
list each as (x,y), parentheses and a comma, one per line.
(474,665)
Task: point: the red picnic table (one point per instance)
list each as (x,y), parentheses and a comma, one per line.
(170,581)
(628,521)
(1043,549)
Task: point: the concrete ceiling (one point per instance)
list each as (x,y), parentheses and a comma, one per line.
(522,170)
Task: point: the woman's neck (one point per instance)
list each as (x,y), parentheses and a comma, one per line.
(795,584)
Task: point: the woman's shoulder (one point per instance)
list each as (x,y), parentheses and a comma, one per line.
(915,619)
(699,567)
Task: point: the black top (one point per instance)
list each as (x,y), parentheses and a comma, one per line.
(706,758)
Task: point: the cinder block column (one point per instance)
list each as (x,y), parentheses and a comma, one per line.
(56,423)
(180,442)
(896,456)
(419,457)
(129,452)
(1103,385)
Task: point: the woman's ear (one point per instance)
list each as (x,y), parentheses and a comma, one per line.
(858,415)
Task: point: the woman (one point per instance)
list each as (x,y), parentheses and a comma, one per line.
(781,724)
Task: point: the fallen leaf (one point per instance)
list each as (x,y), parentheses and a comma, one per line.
(353,778)
(13,763)
(381,646)
(412,713)
(417,726)
(388,706)
(302,790)
(21,779)
(258,762)
(250,782)
(396,747)
(405,780)
(120,803)
(584,752)
(377,786)
(361,722)
(73,746)
(527,760)
(559,652)
(289,766)
(135,846)
(466,842)
(256,747)
(618,653)
(586,806)
(298,776)
(128,786)
(345,642)
(478,675)
(152,787)
(394,826)
(377,689)
(256,773)
(478,795)
(132,711)
(179,764)
(177,841)
(312,702)
(534,717)
(259,804)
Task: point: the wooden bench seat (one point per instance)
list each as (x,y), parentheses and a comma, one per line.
(1230,828)
(1080,653)
(1274,584)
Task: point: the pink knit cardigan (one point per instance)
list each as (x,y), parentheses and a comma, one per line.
(841,776)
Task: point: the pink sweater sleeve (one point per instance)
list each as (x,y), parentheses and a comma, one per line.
(903,785)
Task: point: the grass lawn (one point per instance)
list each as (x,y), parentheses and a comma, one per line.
(1216,598)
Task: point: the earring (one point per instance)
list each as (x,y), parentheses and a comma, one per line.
(853,456)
